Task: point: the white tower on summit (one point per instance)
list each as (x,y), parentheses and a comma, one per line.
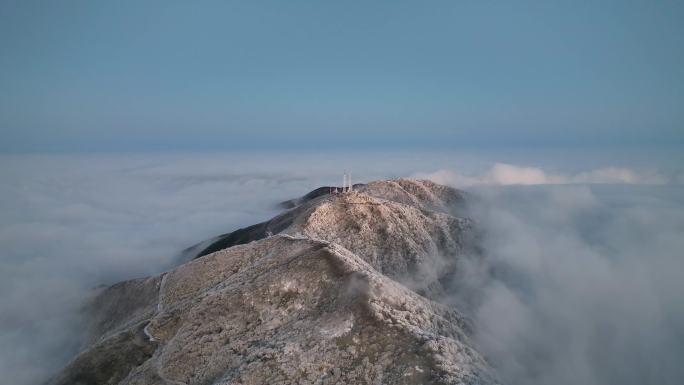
(346,182)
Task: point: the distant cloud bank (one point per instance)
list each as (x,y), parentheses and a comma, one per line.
(509,174)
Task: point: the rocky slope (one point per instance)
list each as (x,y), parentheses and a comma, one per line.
(328,292)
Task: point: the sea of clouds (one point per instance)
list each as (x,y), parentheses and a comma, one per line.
(580,283)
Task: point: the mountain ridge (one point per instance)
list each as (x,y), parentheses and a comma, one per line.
(340,294)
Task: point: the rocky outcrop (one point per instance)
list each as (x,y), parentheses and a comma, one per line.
(326,296)
(404,228)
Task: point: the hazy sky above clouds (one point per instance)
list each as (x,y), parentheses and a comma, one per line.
(176,75)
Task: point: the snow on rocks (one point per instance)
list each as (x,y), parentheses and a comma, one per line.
(323,302)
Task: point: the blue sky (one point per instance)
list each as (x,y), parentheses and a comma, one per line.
(222,75)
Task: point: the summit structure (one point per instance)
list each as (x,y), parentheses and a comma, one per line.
(347,185)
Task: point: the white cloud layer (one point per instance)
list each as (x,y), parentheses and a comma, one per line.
(580,284)
(70,223)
